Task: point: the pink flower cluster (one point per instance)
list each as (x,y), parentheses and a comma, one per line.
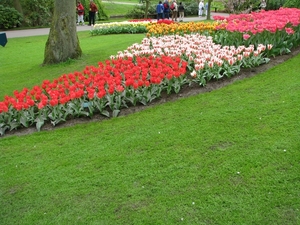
(197,48)
(257,22)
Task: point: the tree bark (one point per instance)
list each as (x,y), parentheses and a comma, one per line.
(18,6)
(148,2)
(208,17)
(62,43)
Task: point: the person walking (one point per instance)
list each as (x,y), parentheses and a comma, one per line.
(160,10)
(80,13)
(166,9)
(92,13)
(174,9)
(263,5)
(206,8)
(181,12)
(201,8)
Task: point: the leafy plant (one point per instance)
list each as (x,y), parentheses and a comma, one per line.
(292,4)
(119,28)
(9,17)
(38,12)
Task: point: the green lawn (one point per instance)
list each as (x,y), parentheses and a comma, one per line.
(230,156)
(114,9)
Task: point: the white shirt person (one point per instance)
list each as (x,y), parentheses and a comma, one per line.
(201,8)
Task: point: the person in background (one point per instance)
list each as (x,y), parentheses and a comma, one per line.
(181,11)
(166,9)
(201,8)
(160,10)
(174,11)
(206,8)
(92,13)
(80,13)
(263,5)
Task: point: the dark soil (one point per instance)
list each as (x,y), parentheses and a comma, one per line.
(194,89)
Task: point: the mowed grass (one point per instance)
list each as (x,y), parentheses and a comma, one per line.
(114,9)
(230,156)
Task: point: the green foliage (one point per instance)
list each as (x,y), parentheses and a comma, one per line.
(119,29)
(136,13)
(102,14)
(292,4)
(7,3)
(190,8)
(37,12)
(9,17)
(275,4)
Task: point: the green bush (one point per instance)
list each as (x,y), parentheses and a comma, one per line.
(38,12)
(275,4)
(191,8)
(7,3)
(292,4)
(136,13)
(9,17)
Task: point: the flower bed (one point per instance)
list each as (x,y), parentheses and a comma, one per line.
(137,75)
(277,27)
(204,58)
(131,27)
(141,73)
(106,88)
(160,29)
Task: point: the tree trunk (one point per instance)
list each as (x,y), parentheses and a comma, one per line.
(148,2)
(18,6)
(208,10)
(62,43)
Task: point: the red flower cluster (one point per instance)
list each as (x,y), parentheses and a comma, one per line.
(96,82)
(165,21)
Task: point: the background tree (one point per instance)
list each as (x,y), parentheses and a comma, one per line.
(62,43)
(208,10)
(148,2)
(18,6)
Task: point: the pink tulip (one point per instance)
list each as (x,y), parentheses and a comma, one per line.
(246,36)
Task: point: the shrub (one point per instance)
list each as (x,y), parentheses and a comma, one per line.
(292,4)
(190,8)
(136,13)
(9,17)
(38,12)
(274,4)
